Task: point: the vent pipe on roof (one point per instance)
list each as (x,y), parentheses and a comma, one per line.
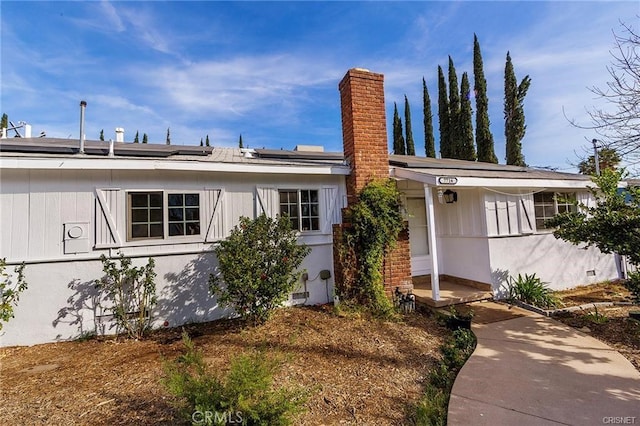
(83,105)
(119,134)
(111,153)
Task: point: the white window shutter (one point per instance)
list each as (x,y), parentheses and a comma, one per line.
(267,201)
(526,214)
(331,208)
(107,210)
(586,198)
(213,212)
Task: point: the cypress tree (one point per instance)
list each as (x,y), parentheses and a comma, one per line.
(429,140)
(201,144)
(443,116)
(398,139)
(454,111)
(168,137)
(102,134)
(467,150)
(4,122)
(514,121)
(411,146)
(136,139)
(484,138)
(207,141)
(240,144)
(145,138)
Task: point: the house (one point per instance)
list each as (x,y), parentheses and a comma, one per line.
(64,203)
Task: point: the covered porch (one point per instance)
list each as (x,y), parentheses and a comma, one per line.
(452,291)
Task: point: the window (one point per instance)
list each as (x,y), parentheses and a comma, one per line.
(184,214)
(147,215)
(302,207)
(549,204)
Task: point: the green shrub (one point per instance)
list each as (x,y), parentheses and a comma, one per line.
(10,291)
(132,293)
(595,316)
(432,407)
(530,289)
(257,265)
(244,395)
(633,285)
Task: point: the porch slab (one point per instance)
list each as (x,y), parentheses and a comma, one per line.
(450,293)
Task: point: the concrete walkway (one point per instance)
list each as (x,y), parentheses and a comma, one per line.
(532,370)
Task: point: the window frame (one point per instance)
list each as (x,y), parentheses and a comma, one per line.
(566,206)
(165,238)
(299,204)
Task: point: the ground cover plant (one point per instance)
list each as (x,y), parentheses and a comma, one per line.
(10,289)
(531,290)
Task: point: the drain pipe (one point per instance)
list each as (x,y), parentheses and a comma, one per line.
(83,105)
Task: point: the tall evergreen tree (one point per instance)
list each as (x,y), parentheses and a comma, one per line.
(454,111)
(4,122)
(207,141)
(145,138)
(484,138)
(201,144)
(240,143)
(443,116)
(411,146)
(398,138)
(102,134)
(429,140)
(168,136)
(136,139)
(514,121)
(467,149)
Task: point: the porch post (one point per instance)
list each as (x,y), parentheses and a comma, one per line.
(431,229)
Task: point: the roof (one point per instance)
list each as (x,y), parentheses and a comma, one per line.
(450,172)
(47,153)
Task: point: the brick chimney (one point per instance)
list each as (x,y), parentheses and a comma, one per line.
(364,128)
(364,133)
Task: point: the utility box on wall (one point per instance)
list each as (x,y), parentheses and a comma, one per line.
(76,237)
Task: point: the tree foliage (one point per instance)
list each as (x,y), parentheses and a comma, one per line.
(429,140)
(136,139)
(10,290)
(612,225)
(207,141)
(398,138)
(443,116)
(168,141)
(257,266)
(145,138)
(466,150)
(454,112)
(4,122)
(514,126)
(102,134)
(411,147)
(608,158)
(240,143)
(619,122)
(484,138)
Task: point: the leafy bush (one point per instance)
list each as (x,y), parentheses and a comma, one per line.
(256,264)
(432,407)
(245,394)
(376,222)
(10,291)
(131,292)
(633,285)
(530,289)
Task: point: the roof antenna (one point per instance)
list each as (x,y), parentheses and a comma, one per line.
(83,105)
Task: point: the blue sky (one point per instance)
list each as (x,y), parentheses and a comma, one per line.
(270,70)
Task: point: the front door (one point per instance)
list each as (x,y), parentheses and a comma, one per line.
(418,237)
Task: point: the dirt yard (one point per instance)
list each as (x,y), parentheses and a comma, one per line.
(611,324)
(357,370)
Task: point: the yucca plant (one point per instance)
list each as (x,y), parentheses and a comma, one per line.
(530,289)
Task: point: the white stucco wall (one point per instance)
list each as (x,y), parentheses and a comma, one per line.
(35,205)
(465,258)
(560,264)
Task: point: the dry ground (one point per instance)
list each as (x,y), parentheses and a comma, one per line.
(358,371)
(612,324)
